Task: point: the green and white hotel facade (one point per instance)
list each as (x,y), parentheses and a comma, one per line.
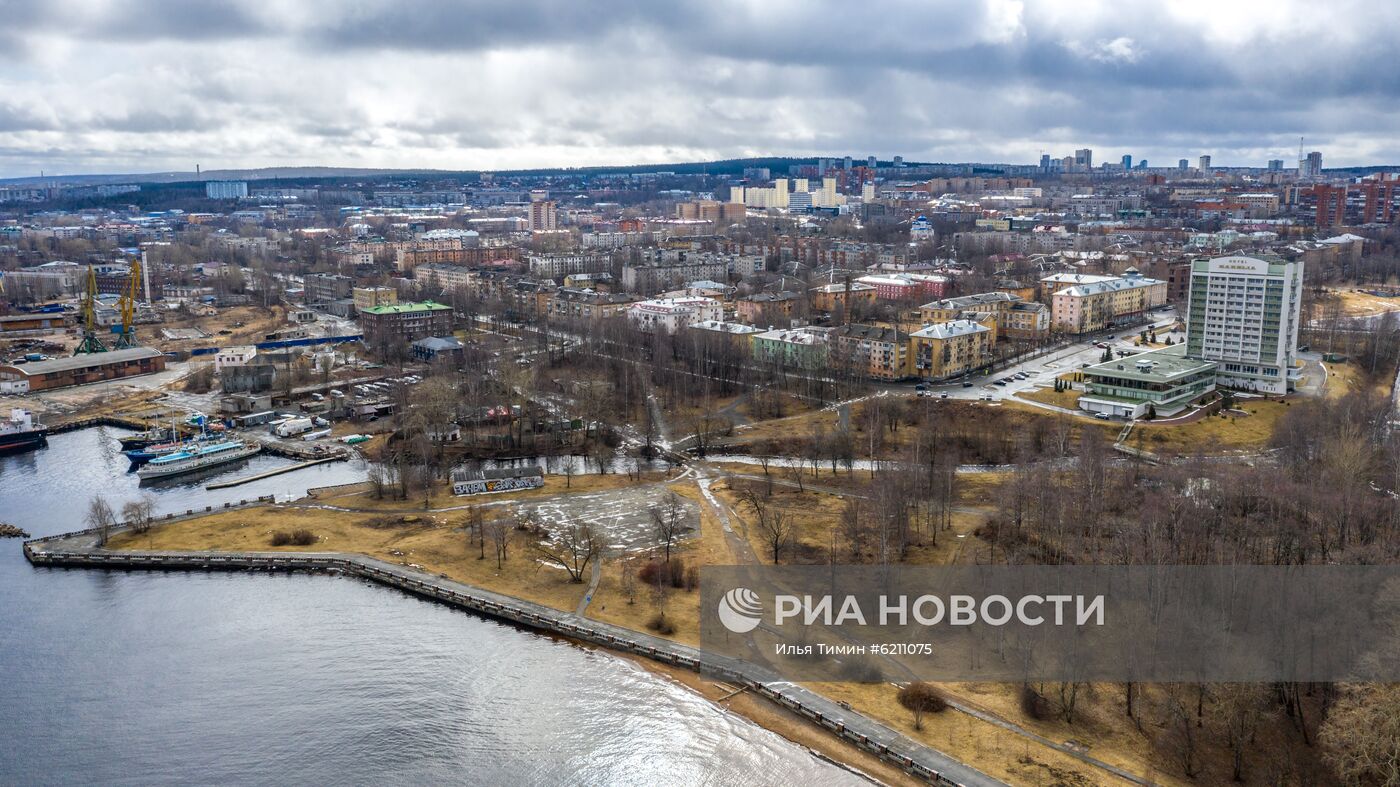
(1244,314)
(1242,324)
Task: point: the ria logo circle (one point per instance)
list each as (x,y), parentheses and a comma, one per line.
(740,610)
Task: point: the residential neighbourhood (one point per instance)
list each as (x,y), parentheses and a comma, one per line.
(982,393)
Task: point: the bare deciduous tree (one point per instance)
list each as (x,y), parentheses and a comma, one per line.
(100,517)
(139,513)
(776,527)
(628,582)
(498,532)
(1239,709)
(572,547)
(668,523)
(475,527)
(920,698)
(1361,737)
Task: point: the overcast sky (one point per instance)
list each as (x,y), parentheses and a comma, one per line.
(90,86)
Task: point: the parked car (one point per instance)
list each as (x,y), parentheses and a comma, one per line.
(1101,416)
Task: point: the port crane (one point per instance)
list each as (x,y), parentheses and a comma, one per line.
(127,308)
(91,343)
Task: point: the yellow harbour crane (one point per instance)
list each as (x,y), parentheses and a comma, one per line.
(91,343)
(127,308)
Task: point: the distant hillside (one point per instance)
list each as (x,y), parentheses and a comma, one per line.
(266,173)
(778,164)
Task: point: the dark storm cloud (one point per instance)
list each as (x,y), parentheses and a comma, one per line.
(441,83)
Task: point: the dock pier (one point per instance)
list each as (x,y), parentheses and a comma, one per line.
(274,471)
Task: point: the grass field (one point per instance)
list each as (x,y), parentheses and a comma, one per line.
(1247,430)
(995,751)
(1361,304)
(785,428)
(1066,399)
(1343,378)
(437,542)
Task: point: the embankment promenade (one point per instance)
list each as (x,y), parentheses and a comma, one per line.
(80,550)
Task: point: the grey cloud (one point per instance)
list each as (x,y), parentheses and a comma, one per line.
(133,21)
(424,80)
(457,26)
(14,117)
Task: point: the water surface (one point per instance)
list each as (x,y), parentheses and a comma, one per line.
(155,678)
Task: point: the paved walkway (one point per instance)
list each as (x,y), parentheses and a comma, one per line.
(592,587)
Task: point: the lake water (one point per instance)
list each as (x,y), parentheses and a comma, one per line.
(154,678)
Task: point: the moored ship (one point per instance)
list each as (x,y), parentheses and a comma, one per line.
(20,432)
(140,456)
(197,457)
(135,442)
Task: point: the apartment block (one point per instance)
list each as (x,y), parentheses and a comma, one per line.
(949,349)
(571,304)
(326,287)
(555,266)
(711,210)
(672,314)
(405,322)
(792,348)
(768,308)
(872,351)
(833,297)
(369,297)
(667,271)
(949,309)
(1086,308)
(1024,321)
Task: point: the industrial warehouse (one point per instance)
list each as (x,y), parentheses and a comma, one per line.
(80,369)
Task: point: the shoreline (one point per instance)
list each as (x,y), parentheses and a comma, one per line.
(776,719)
(861,744)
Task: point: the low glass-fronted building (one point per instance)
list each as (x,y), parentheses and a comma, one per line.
(1165,379)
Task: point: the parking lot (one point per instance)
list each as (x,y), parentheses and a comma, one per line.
(1040,372)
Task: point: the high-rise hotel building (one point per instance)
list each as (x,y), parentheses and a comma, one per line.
(1243,314)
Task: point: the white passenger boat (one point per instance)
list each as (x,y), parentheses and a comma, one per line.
(197,457)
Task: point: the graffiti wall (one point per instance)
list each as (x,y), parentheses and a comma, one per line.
(489,485)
